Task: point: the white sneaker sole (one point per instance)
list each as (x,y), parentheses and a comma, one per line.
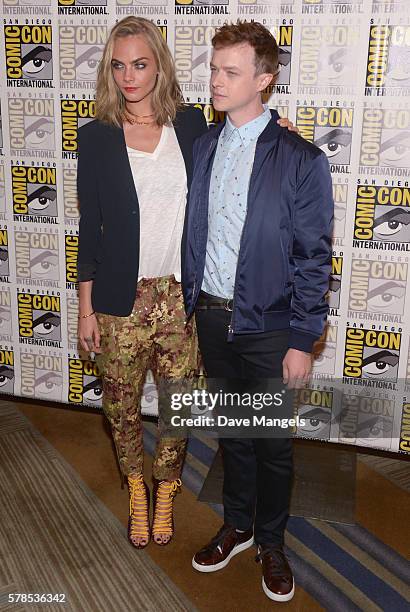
(218,566)
(275,596)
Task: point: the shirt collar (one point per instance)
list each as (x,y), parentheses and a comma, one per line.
(249,131)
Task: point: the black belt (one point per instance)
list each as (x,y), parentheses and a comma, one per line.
(212,302)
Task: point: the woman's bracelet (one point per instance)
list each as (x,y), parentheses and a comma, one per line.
(86,316)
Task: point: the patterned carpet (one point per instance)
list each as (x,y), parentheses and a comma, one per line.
(48,544)
(344,567)
(394,470)
(48,522)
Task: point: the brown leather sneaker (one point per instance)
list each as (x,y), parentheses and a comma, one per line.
(277,581)
(226,544)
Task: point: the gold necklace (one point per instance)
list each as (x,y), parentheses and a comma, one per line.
(133,119)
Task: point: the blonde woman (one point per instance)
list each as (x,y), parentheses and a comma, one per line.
(134,172)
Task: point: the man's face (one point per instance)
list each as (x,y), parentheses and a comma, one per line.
(234,84)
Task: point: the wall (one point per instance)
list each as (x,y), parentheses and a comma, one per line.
(344,80)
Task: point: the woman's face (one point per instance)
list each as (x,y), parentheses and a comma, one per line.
(134,67)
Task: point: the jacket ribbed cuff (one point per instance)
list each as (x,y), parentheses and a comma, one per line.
(302,341)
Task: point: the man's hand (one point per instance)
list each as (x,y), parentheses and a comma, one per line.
(284,122)
(297,366)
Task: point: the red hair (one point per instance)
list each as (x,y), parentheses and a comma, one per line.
(257,36)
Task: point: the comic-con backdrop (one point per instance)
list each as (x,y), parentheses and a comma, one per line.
(344,80)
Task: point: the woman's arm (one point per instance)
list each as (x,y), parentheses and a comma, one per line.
(88,332)
(89,241)
(90,234)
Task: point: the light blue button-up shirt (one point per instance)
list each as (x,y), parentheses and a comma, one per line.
(228,194)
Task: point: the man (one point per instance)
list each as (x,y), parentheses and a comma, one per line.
(256,263)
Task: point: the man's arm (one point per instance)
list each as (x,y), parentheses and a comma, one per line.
(311,257)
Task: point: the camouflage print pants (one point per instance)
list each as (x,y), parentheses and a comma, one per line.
(156,337)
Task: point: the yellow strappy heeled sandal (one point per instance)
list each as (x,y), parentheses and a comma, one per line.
(138,521)
(163,524)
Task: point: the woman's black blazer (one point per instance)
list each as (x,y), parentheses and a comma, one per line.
(109,224)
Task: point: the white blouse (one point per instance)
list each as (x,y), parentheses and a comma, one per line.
(161,185)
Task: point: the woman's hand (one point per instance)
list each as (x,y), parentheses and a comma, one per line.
(287,123)
(89,334)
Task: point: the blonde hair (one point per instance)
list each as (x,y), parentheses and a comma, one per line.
(166,97)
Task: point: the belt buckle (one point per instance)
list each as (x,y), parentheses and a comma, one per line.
(227,305)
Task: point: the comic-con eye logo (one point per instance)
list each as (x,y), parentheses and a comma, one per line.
(81,49)
(201,7)
(29,55)
(5,315)
(283,36)
(37,258)
(335,283)
(377,287)
(82,2)
(41,376)
(31,127)
(192,56)
(371,354)
(74,114)
(34,194)
(382,216)
(385,144)
(4,256)
(315,407)
(324,353)
(327,61)
(39,318)
(84,383)
(388,60)
(71,254)
(6,371)
(404,444)
(330,129)
(367,420)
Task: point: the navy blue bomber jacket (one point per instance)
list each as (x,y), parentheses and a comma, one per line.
(284,260)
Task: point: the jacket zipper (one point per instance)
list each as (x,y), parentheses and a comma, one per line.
(231,330)
(211,146)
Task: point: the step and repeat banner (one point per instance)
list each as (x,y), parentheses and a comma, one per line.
(344,80)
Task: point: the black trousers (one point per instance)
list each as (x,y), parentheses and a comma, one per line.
(257,472)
